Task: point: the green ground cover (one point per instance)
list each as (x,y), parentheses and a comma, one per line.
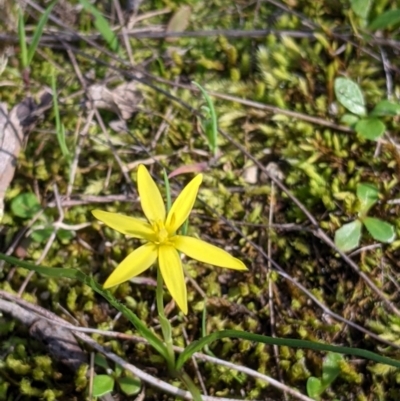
(305,96)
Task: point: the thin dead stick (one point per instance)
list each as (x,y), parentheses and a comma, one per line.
(277,110)
(87,199)
(164,126)
(91,376)
(124,32)
(114,152)
(83,134)
(78,148)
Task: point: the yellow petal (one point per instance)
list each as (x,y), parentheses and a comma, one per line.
(207,253)
(134,264)
(183,205)
(125,224)
(172,273)
(150,196)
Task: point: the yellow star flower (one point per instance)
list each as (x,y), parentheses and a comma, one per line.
(162,243)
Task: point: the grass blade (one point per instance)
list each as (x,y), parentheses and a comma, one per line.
(60,129)
(210,126)
(38,32)
(102,25)
(22,39)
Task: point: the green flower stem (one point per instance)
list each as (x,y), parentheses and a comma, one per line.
(165,324)
(191,386)
(167,334)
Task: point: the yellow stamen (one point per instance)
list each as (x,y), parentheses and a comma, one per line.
(161,233)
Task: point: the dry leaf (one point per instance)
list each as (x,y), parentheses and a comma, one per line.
(14,127)
(123,100)
(193,168)
(11,141)
(250,174)
(179,21)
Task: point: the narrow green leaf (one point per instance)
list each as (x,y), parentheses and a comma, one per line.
(349,94)
(167,189)
(102,25)
(60,129)
(385,20)
(368,194)
(379,229)
(22,39)
(361,7)
(386,108)
(210,125)
(348,236)
(314,388)
(196,346)
(38,32)
(102,384)
(370,128)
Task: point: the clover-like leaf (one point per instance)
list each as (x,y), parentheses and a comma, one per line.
(368,194)
(42,234)
(25,205)
(388,18)
(380,230)
(130,385)
(348,236)
(349,94)
(370,128)
(386,108)
(314,388)
(361,7)
(102,384)
(330,368)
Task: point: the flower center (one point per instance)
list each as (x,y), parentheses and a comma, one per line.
(161,232)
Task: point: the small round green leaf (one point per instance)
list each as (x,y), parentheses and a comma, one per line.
(348,236)
(130,385)
(368,194)
(349,94)
(379,229)
(386,108)
(25,205)
(349,119)
(102,384)
(42,235)
(65,235)
(370,128)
